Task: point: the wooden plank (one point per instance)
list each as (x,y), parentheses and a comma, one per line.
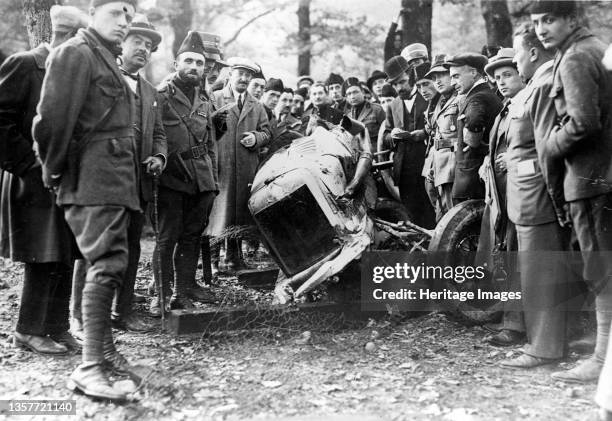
(181,322)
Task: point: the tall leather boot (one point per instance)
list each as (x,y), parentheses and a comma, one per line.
(90,377)
(185,263)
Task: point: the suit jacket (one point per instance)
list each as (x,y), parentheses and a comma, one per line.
(372,116)
(409,155)
(477,111)
(582,93)
(91,156)
(528,200)
(188,125)
(153,136)
(237,164)
(32,226)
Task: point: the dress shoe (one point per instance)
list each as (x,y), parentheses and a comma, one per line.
(180,303)
(119,365)
(138,298)
(90,379)
(527,361)
(493,327)
(506,337)
(43,345)
(200,294)
(69,341)
(587,371)
(155,308)
(131,323)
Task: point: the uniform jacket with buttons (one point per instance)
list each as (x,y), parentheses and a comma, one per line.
(582,93)
(83,128)
(477,111)
(189,131)
(442,131)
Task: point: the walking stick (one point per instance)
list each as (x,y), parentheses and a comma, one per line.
(158,272)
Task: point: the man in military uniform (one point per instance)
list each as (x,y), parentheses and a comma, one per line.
(442,131)
(189,184)
(248,130)
(91,160)
(405,118)
(477,111)
(582,138)
(32,226)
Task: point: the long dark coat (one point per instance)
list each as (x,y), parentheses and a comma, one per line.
(237,165)
(32,227)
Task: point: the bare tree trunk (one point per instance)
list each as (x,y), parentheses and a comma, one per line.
(180,16)
(38,20)
(416,22)
(497,22)
(304,46)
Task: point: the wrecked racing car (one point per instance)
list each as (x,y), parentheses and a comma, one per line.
(314,203)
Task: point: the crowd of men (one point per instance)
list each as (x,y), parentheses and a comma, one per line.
(88,146)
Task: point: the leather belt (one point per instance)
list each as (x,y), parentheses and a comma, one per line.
(195,152)
(444,144)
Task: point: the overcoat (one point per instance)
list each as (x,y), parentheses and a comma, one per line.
(32,226)
(85,136)
(237,164)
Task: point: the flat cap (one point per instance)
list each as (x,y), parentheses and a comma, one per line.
(67,18)
(414,51)
(554,7)
(274,85)
(243,63)
(438,65)
(334,79)
(140,25)
(503,58)
(477,61)
(376,75)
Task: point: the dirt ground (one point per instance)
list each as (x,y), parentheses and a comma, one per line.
(425,368)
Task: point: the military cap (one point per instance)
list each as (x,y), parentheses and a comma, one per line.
(334,79)
(67,18)
(243,63)
(414,51)
(396,67)
(259,74)
(438,65)
(388,90)
(503,58)
(376,74)
(141,26)
(212,49)
(98,3)
(420,71)
(304,78)
(554,7)
(349,82)
(274,85)
(477,61)
(303,92)
(192,44)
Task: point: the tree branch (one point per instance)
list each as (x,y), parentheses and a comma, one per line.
(247,23)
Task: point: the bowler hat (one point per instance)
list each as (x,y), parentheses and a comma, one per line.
(503,58)
(477,61)
(554,7)
(334,79)
(242,63)
(388,90)
(376,74)
(437,66)
(274,85)
(67,18)
(396,67)
(349,82)
(191,44)
(140,26)
(414,51)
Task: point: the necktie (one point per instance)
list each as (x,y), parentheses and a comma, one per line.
(240,102)
(130,75)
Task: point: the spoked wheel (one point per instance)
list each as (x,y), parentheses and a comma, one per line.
(456,240)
